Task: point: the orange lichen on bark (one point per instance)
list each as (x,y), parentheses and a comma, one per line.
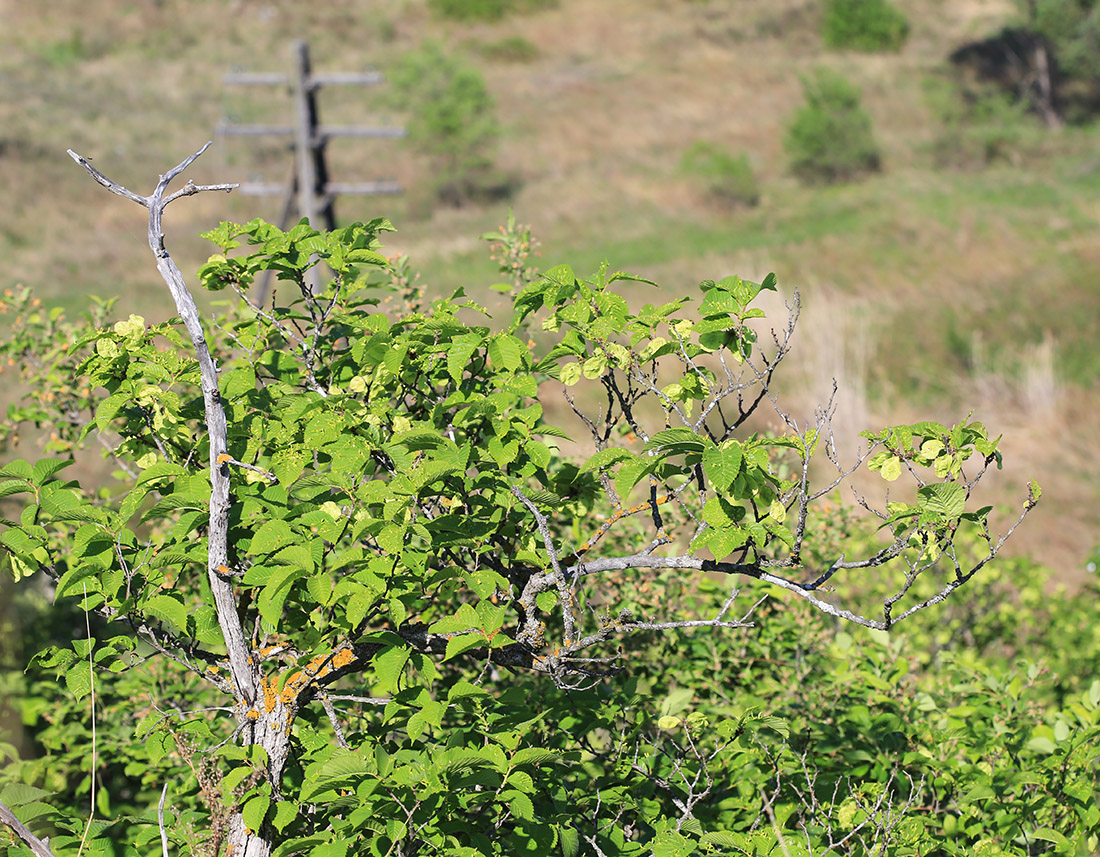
(318,667)
(270,690)
(617,516)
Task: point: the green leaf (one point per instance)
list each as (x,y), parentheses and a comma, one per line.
(678,440)
(459,353)
(358,606)
(274,593)
(506,352)
(285,812)
(78,678)
(891,469)
(630,472)
(670,844)
(723,542)
(519,803)
(776,724)
(723,839)
(570,842)
(288,464)
(462,689)
(271,537)
(722,464)
(943,501)
(237,382)
(1049,834)
(720,513)
(14,486)
(254,812)
(606,458)
(19,794)
(560,275)
(322,429)
(71,580)
(108,409)
(18,469)
(535,756)
(47,467)
(389,666)
(160,470)
(167,609)
(463,643)
(570,374)
(930,449)
(595,366)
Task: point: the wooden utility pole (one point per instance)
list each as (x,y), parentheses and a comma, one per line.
(309,193)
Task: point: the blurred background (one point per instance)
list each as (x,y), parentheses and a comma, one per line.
(926,173)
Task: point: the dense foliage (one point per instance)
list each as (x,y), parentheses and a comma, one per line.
(464,622)
(1073,27)
(830,139)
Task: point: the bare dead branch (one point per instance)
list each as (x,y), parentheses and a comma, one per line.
(244,674)
(37,846)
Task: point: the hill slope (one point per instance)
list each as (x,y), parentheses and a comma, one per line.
(927,291)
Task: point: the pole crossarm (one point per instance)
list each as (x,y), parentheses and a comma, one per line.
(330,189)
(309,192)
(322,132)
(314,81)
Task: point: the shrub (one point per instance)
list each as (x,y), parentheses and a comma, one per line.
(978,125)
(830,138)
(485,10)
(451,119)
(514,49)
(729,179)
(863,25)
(353,598)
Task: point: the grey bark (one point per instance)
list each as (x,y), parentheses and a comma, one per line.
(270,729)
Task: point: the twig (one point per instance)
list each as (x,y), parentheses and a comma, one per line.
(330,710)
(91,680)
(7,817)
(160,822)
(225,458)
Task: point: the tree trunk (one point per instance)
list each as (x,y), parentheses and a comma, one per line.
(1044,82)
(271,731)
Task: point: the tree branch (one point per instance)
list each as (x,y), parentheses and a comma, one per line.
(244,674)
(7,817)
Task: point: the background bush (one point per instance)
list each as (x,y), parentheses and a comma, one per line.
(979,125)
(728,179)
(863,25)
(830,138)
(485,10)
(452,119)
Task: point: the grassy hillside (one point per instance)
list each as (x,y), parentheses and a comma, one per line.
(927,290)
